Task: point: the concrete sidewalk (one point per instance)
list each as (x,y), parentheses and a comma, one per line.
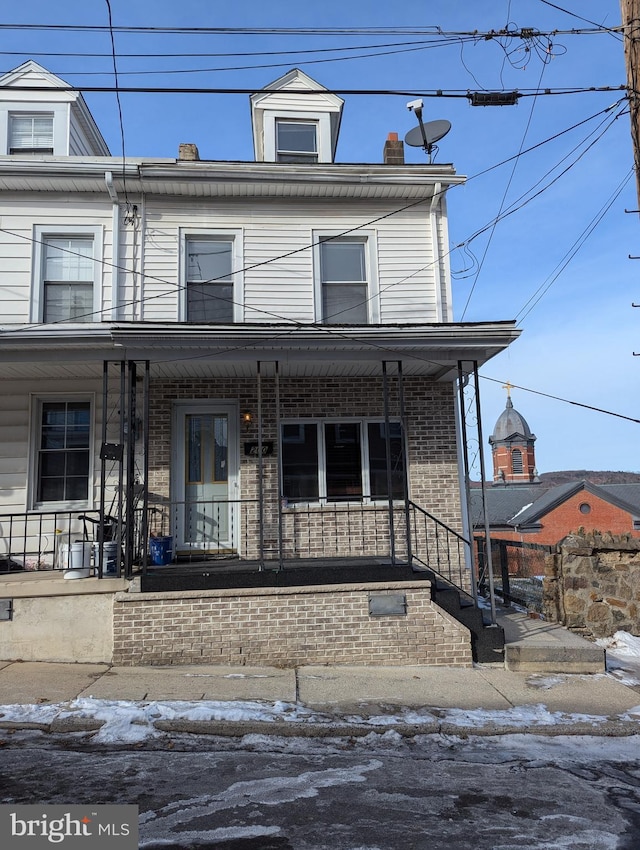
(339,689)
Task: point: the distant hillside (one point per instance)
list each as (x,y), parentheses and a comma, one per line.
(552,479)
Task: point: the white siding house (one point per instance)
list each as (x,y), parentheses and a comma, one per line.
(222,364)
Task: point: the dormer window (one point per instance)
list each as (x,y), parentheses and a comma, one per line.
(31,133)
(296,141)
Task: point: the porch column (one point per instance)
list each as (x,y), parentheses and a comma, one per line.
(260,469)
(280,493)
(405,464)
(387,441)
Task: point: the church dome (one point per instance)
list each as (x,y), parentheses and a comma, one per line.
(511,424)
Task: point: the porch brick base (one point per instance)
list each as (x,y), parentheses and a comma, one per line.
(286,627)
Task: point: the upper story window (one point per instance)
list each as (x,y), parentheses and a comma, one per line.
(212,288)
(346,291)
(66,276)
(296,141)
(31,133)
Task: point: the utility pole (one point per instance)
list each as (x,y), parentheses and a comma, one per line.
(631,31)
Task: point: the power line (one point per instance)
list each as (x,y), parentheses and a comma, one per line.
(425,93)
(313,31)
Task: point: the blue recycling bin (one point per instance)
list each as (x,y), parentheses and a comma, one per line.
(161,550)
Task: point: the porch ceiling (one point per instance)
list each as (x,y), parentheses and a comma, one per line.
(179,351)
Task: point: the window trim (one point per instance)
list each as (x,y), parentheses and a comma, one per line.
(306,156)
(42,232)
(35,416)
(61,117)
(369,239)
(363,422)
(236,236)
(323,132)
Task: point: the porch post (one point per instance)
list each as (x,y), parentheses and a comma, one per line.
(144,526)
(103,465)
(130,471)
(492,595)
(387,441)
(260,469)
(405,464)
(121,440)
(280,494)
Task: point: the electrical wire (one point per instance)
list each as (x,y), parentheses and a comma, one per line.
(504,198)
(121,122)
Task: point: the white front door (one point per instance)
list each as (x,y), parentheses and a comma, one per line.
(205,477)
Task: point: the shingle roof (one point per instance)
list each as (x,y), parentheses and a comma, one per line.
(524,506)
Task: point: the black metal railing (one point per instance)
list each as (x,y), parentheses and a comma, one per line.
(439,548)
(187,531)
(518,569)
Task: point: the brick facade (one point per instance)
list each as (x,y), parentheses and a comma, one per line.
(431,448)
(286,627)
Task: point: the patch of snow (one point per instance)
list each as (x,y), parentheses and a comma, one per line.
(623,657)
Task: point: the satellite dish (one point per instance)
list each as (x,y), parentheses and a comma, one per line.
(426,135)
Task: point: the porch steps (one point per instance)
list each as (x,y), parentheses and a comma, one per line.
(487,640)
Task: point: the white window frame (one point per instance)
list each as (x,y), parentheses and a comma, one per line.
(363,423)
(61,117)
(36,402)
(369,239)
(43,232)
(322,120)
(233,235)
(305,156)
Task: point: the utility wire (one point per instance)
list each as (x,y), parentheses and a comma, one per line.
(504,198)
(115,76)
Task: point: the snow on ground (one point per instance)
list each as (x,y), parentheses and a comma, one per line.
(125,722)
(128,722)
(623,657)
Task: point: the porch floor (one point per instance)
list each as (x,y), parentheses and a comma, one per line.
(231,573)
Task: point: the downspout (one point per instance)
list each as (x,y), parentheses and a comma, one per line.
(115,246)
(435,241)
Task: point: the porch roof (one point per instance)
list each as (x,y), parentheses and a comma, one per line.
(179,350)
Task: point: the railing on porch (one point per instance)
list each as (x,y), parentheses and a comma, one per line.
(65,540)
(518,570)
(439,548)
(239,529)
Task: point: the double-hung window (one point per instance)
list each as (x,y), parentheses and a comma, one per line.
(212,294)
(346,285)
(296,141)
(341,461)
(63,456)
(31,133)
(66,275)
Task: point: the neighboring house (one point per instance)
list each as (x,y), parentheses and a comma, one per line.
(527,516)
(237,360)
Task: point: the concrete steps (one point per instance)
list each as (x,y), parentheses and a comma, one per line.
(536,646)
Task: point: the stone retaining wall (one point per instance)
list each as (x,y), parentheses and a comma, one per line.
(286,627)
(592,584)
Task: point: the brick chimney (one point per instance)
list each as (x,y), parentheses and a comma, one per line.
(393,153)
(188,151)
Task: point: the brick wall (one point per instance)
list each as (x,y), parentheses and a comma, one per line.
(286,627)
(431,437)
(567,518)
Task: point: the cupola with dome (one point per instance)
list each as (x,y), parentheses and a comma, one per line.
(512,446)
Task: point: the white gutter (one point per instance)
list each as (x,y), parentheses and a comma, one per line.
(115,245)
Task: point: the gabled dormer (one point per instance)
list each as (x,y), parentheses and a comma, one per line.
(54,121)
(290,125)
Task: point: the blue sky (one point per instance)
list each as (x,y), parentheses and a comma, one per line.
(578,339)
